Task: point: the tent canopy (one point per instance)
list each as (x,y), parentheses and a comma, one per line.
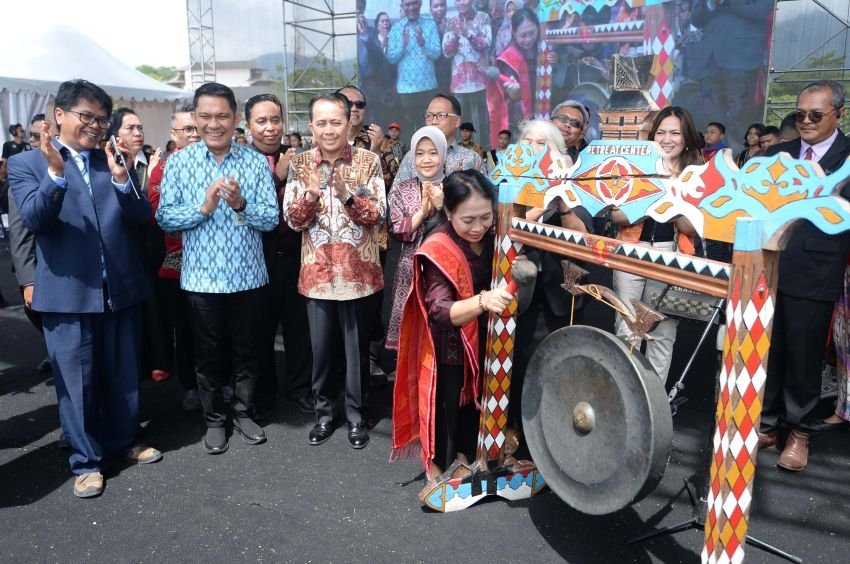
(39,64)
(33,67)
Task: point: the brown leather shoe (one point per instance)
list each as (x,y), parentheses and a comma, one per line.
(767,440)
(795,456)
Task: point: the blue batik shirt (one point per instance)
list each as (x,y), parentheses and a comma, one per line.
(222,252)
(415,62)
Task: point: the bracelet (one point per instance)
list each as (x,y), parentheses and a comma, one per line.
(241,207)
(481,301)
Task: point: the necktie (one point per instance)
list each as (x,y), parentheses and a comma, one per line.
(810,155)
(82,164)
(270,158)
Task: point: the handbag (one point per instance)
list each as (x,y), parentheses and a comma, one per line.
(675,301)
(682,303)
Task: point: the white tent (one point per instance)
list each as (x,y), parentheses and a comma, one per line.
(32,69)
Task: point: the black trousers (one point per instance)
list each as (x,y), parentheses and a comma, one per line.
(339,333)
(289,310)
(215,319)
(527,339)
(455,427)
(797,347)
(176,332)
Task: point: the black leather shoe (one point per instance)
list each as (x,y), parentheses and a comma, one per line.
(215,441)
(358,437)
(320,433)
(251,433)
(820,426)
(304,404)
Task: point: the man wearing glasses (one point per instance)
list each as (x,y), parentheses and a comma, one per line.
(89,280)
(811,274)
(173,307)
(572,120)
(221,196)
(444,113)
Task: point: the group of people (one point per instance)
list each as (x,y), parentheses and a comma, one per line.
(191,262)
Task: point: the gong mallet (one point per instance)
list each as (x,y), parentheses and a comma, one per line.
(523,273)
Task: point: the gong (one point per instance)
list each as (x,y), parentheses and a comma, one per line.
(596,419)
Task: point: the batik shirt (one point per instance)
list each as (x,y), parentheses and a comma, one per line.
(222,252)
(467,43)
(415,62)
(340,258)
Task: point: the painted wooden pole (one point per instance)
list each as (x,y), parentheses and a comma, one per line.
(749,318)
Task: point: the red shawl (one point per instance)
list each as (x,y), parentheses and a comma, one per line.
(414,395)
(498,101)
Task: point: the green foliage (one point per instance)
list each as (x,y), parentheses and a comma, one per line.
(321,77)
(162,74)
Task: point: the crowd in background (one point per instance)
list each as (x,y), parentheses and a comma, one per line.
(188,262)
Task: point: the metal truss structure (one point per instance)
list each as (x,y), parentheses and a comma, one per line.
(801,71)
(311,33)
(199,15)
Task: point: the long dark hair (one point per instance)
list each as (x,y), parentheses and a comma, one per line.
(759,127)
(692,155)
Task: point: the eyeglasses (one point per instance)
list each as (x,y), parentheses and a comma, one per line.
(568,120)
(429,116)
(131,128)
(90,119)
(814,117)
(35,135)
(359,104)
(188,130)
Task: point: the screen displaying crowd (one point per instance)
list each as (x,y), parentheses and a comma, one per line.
(512,60)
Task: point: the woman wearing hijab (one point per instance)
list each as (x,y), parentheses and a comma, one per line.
(411,204)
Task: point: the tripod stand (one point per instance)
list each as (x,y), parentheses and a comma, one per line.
(697,521)
(697,486)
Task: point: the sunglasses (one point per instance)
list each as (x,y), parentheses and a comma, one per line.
(568,120)
(359,104)
(814,117)
(35,135)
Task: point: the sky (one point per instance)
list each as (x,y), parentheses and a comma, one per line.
(150,32)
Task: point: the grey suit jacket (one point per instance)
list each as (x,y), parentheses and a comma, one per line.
(22,244)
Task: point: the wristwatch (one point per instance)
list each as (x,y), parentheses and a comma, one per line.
(349,202)
(242,207)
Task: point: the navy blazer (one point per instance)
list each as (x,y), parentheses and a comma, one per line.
(812,264)
(71,227)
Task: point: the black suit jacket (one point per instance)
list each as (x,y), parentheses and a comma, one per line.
(812,264)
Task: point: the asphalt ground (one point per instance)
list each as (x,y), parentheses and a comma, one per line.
(285,501)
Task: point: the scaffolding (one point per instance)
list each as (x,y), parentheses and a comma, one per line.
(827,59)
(199,15)
(311,37)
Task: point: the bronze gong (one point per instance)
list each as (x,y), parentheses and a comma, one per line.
(596,419)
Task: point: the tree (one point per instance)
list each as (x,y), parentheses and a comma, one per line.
(321,77)
(162,74)
(782,91)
